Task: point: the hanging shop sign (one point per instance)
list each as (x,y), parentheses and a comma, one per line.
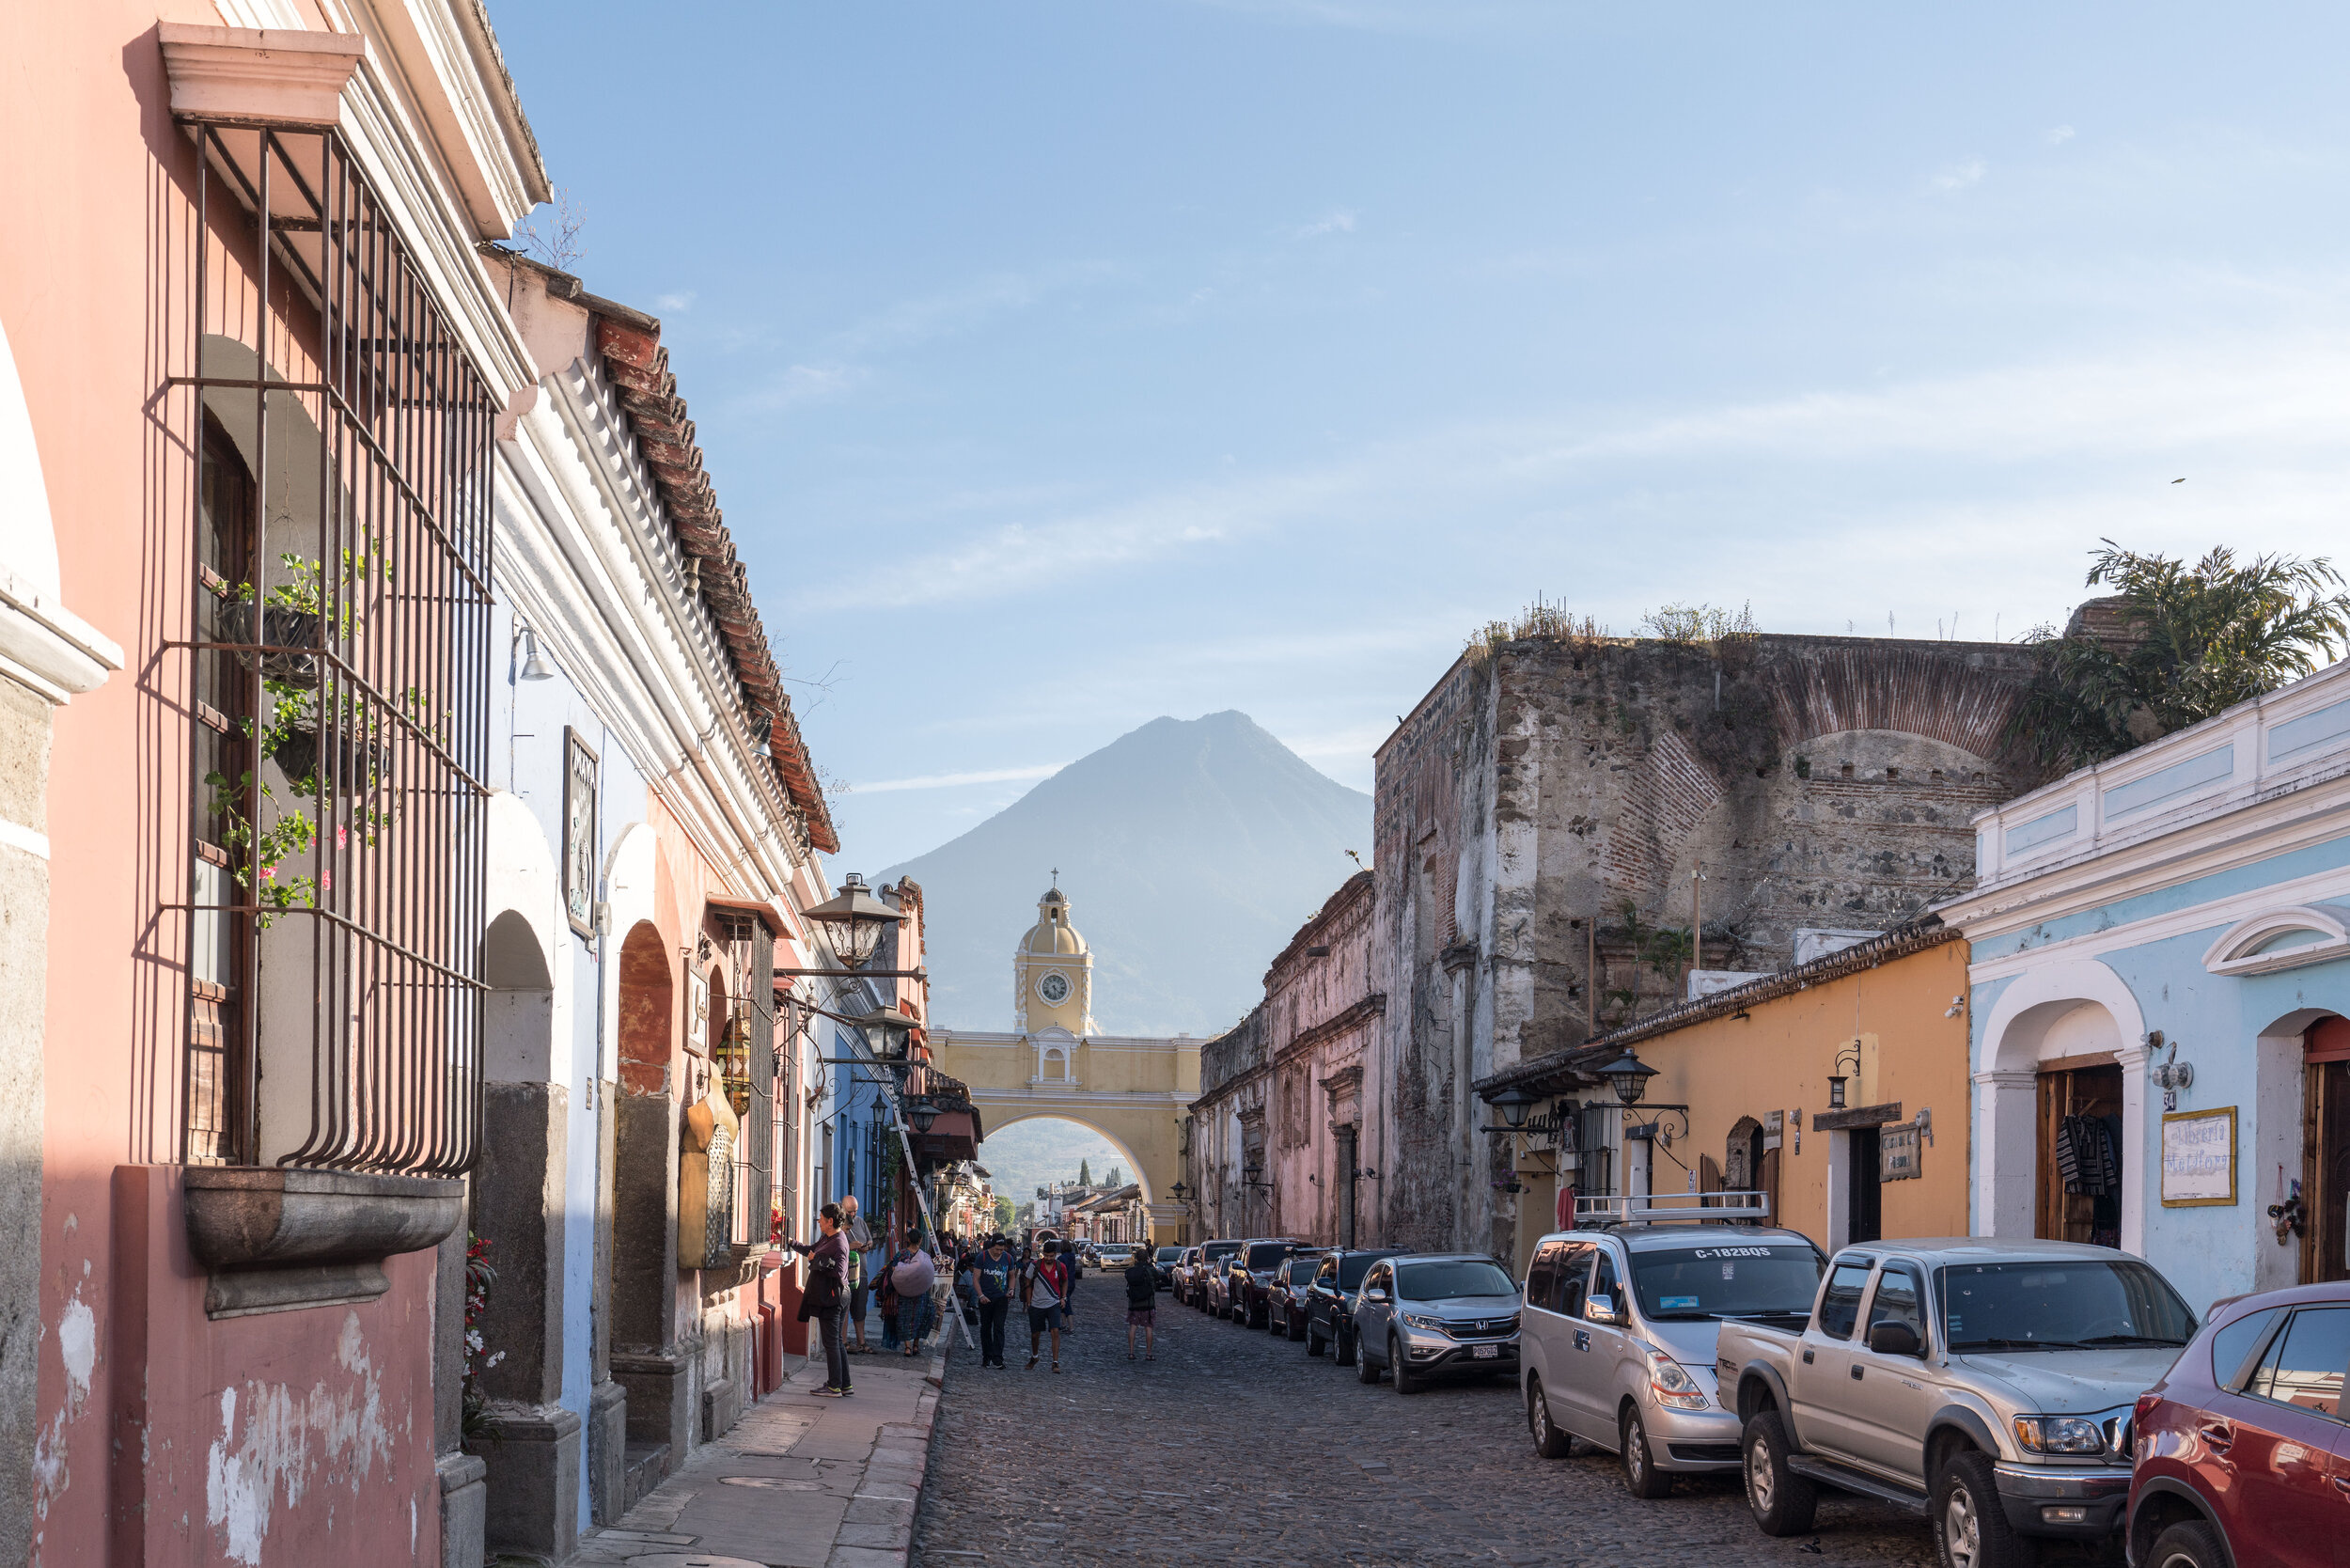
(579,833)
(1900,1152)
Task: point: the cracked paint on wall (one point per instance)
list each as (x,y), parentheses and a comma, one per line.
(288,1442)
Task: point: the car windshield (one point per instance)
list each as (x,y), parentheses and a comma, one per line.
(1302,1269)
(2073,1305)
(1352,1269)
(1458,1278)
(1169,1254)
(1739,1279)
(1263,1255)
(1213,1250)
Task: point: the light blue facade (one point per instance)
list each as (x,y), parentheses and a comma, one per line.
(528,721)
(2187,904)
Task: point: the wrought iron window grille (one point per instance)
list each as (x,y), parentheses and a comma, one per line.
(338,667)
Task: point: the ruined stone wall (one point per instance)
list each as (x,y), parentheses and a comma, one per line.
(1560,791)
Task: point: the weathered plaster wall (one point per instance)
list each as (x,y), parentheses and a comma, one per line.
(24,953)
(1821,782)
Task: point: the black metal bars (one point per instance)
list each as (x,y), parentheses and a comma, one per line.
(344,621)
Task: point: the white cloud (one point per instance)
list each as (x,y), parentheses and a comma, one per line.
(1958,176)
(674,305)
(2057,135)
(2269,406)
(806,383)
(1340,221)
(957,780)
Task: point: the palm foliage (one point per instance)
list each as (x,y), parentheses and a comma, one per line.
(2193,642)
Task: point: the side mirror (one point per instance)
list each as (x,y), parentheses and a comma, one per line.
(1601,1309)
(1375,1293)
(1889,1337)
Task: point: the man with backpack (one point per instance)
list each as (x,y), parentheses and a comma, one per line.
(1142,1304)
(1044,1287)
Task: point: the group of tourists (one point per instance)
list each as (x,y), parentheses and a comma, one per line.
(849,1269)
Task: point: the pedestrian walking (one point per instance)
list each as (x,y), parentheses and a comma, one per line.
(1044,1287)
(911,1276)
(860,1239)
(992,1278)
(1142,1306)
(823,1302)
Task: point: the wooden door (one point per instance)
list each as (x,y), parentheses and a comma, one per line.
(2326,1173)
(1769,1182)
(2092,1089)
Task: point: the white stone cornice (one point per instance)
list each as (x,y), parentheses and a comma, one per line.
(48,647)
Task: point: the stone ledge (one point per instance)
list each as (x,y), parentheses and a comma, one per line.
(276,1239)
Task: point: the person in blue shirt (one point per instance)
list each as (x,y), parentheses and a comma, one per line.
(993,1279)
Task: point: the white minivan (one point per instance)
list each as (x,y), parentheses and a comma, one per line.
(1619,1327)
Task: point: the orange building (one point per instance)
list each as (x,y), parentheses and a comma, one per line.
(1837,1088)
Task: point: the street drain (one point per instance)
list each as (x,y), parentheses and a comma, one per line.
(692,1560)
(772,1483)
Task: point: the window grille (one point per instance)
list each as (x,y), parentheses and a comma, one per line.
(336,671)
(748,1065)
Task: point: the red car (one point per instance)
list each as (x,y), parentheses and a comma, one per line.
(2242,1452)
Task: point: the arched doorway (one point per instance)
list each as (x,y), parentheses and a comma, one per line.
(2326,1150)
(645,1193)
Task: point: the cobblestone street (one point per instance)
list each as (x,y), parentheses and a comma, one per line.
(1236,1447)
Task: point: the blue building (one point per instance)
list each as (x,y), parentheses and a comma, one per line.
(2161,975)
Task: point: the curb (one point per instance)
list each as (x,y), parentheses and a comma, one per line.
(902,1455)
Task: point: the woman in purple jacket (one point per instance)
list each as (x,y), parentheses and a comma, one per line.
(823,1301)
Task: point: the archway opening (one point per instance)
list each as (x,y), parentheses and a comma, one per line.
(1066,1172)
(529,1114)
(645,1159)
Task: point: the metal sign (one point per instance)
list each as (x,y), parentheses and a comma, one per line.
(1900,1152)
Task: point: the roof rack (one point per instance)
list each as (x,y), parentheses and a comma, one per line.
(1703,1208)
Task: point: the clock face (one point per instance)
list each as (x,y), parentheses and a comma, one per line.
(1054,988)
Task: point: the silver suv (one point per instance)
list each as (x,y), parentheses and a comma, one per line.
(1437,1314)
(1620,1324)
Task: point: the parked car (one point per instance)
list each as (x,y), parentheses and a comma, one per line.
(1435,1315)
(1114,1257)
(1164,1261)
(1286,1297)
(1204,1271)
(2243,1448)
(1330,1302)
(1186,1263)
(1246,1279)
(1619,1337)
(1991,1390)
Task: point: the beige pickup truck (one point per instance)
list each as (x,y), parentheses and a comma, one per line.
(1985,1385)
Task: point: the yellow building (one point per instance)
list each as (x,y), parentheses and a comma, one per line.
(1132,1090)
(1839,1089)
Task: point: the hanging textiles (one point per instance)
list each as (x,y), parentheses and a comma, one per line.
(2088,1156)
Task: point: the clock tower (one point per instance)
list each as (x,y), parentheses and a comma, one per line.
(1052,972)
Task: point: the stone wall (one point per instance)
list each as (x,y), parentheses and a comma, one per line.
(1545,806)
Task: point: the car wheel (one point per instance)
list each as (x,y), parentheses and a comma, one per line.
(2188,1543)
(1365,1368)
(1292,1328)
(1315,1344)
(1641,1477)
(1401,1370)
(1549,1441)
(1346,1357)
(1783,1502)
(1970,1529)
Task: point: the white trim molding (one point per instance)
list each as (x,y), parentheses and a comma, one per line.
(2243,947)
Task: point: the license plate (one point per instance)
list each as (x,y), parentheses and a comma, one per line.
(1485,1353)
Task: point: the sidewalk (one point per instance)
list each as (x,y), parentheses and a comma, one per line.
(799,1482)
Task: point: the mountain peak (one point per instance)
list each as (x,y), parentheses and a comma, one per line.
(1190,851)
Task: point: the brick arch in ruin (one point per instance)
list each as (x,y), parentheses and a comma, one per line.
(1945,692)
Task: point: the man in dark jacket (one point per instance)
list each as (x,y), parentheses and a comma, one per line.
(1142,1305)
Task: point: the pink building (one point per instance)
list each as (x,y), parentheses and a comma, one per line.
(269,420)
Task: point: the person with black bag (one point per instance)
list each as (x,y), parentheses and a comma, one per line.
(824,1301)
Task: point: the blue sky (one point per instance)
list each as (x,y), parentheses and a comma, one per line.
(1061,365)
